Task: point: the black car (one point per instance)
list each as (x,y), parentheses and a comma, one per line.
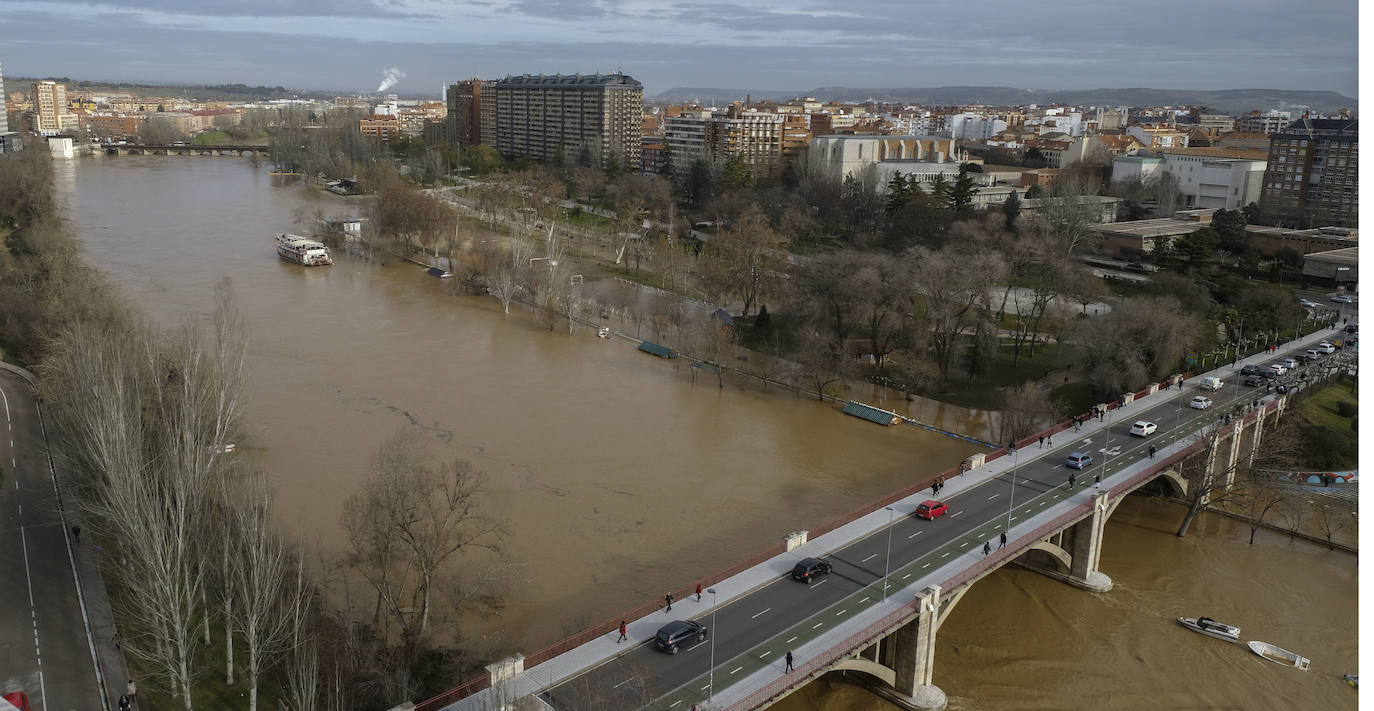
(1252,370)
(1255,381)
(808,569)
(1351,328)
(673,635)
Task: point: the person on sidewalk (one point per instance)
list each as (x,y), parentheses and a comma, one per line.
(1097,480)
(76,533)
(1042,441)
(1003,544)
(987,547)
(622,633)
(1152,451)
(1071,480)
(698,592)
(669,600)
(789,662)
(132,691)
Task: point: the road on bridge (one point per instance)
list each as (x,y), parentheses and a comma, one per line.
(757,629)
(44,648)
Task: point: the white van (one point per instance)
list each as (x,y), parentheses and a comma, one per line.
(1210,384)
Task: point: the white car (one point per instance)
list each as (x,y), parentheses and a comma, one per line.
(1326,348)
(1200,403)
(1290,362)
(1307,303)
(1141,428)
(1342,299)
(1278,368)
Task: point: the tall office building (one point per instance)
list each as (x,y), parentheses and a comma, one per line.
(4,115)
(553,117)
(1312,176)
(10,141)
(50,114)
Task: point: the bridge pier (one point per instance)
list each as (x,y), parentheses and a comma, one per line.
(914,654)
(1072,555)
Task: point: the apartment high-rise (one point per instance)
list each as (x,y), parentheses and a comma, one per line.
(4,116)
(552,117)
(1312,177)
(465,111)
(50,114)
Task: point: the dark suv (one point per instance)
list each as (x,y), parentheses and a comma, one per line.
(1252,370)
(808,569)
(673,635)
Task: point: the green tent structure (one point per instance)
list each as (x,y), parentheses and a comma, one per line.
(655,349)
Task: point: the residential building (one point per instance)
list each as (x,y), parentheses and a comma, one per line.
(10,141)
(796,137)
(4,114)
(974,127)
(115,125)
(684,134)
(1271,121)
(465,111)
(757,137)
(379,126)
(1216,124)
(1312,176)
(1158,135)
(548,117)
(412,119)
(1096,149)
(50,114)
(651,156)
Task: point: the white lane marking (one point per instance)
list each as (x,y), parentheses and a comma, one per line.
(913,535)
(732,671)
(822,582)
(756,616)
(927,565)
(818,624)
(990,498)
(865,600)
(675,703)
(1015,517)
(790,641)
(945,555)
(766,653)
(956,513)
(904,577)
(38,653)
(865,560)
(617,686)
(841,612)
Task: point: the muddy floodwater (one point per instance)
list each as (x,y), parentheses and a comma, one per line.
(619,477)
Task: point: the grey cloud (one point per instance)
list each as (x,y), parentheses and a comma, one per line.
(560,9)
(253,8)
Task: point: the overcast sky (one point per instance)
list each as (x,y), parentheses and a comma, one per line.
(746,44)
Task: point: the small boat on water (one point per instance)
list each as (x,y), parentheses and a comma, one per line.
(1279,655)
(1211,628)
(303,251)
(1353,680)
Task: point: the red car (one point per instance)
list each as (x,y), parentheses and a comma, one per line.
(931,510)
(17,700)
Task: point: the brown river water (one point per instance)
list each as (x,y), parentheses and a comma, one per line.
(620,479)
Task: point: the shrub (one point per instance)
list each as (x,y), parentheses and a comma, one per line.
(1345,408)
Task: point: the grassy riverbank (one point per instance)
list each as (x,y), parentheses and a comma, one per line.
(1330,439)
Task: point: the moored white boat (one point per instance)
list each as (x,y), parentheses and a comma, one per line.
(1211,628)
(303,250)
(1279,655)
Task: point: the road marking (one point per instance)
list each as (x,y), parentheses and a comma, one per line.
(822,582)
(865,560)
(913,535)
(818,624)
(617,686)
(956,513)
(1015,517)
(675,703)
(964,544)
(790,641)
(761,656)
(927,565)
(756,616)
(904,577)
(946,555)
(33,612)
(732,671)
(865,600)
(841,612)
(990,498)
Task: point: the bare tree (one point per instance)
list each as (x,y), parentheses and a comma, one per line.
(950,287)
(504,277)
(1293,510)
(1026,409)
(1256,499)
(1330,521)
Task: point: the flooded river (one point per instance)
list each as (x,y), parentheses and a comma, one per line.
(620,478)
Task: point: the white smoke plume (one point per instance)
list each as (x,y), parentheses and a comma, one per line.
(390,76)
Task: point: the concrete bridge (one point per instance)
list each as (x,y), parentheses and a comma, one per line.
(179,150)
(896,578)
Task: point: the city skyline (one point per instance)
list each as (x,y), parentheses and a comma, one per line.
(743,45)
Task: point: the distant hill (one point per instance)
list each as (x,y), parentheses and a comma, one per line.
(1231,101)
(206,92)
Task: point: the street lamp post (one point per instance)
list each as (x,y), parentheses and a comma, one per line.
(711,681)
(1106,449)
(887,564)
(1012,499)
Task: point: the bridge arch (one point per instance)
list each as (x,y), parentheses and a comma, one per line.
(1059,554)
(867,666)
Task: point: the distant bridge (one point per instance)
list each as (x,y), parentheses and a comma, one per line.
(223,149)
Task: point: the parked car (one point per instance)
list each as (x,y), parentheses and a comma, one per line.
(1290,362)
(1352,327)
(808,569)
(672,636)
(1278,368)
(1252,381)
(931,509)
(1326,347)
(1251,370)
(1141,428)
(1312,355)
(1078,460)
(1210,384)
(1342,299)
(1200,403)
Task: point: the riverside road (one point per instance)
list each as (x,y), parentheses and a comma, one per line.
(758,629)
(44,648)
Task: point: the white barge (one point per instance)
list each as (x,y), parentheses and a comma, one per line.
(303,250)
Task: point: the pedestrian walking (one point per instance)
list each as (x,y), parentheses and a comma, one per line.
(668,599)
(987,547)
(132,691)
(698,592)
(76,533)
(789,662)
(1049,439)
(1097,480)
(1152,451)
(1071,480)
(1003,544)
(1042,441)
(124,704)
(1077,424)
(622,637)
